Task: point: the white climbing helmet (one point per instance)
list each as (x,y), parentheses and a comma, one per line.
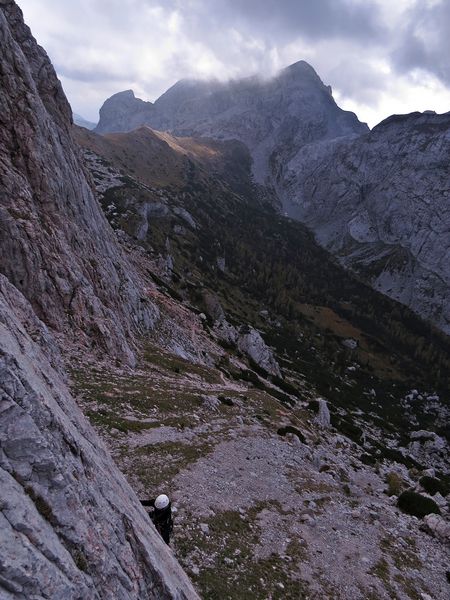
(162,501)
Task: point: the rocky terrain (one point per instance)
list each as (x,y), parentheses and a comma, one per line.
(285,461)
(387,219)
(297,418)
(377,200)
(71,527)
(259,513)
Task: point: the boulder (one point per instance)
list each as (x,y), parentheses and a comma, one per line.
(438,527)
(323,415)
(252,344)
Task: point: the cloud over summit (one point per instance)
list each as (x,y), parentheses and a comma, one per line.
(379,57)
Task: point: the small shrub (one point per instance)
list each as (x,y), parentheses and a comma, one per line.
(314,405)
(80,560)
(290,429)
(395,484)
(226,400)
(433,485)
(417,505)
(347,490)
(284,385)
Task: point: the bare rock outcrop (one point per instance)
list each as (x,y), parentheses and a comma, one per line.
(323,414)
(251,343)
(438,526)
(56,246)
(70,525)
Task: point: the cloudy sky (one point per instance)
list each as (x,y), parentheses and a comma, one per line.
(380,56)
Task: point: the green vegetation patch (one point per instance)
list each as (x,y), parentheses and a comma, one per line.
(111,420)
(404,556)
(395,484)
(156,465)
(175,364)
(433,485)
(415,504)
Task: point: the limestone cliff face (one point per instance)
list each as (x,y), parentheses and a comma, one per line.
(381,203)
(70,525)
(55,244)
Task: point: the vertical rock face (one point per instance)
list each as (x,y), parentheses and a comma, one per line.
(55,244)
(70,525)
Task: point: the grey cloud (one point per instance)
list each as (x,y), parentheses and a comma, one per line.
(309,18)
(424,42)
(103,46)
(357,78)
(89,74)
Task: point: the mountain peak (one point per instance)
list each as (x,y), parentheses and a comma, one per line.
(301,66)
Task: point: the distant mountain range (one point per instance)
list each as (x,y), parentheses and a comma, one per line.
(82,122)
(378,200)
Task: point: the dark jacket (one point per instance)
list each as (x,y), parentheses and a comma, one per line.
(162,518)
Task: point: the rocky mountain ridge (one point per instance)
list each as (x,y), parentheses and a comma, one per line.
(272,117)
(386,218)
(327,170)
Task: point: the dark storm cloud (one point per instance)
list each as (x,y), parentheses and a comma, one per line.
(424,42)
(312,19)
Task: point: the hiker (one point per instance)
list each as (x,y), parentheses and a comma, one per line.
(161,515)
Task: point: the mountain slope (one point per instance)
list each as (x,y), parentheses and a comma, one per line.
(286,447)
(381,203)
(205,233)
(373,199)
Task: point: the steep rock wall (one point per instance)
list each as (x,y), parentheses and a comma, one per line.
(55,244)
(70,525)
